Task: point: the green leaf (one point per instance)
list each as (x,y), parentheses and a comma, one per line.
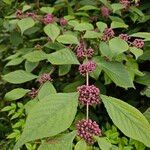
(116,7)
(48,10)
(128,119)
(92,34)
(52,31)
(101,26)
(25,24)
(19,76)
(118,46)
(145,35)
(62,57)
(67,39)
(146,92)
(16,94)
(104,143)
(84,27)
(81,145)
(145,80)
(88,7)
(64,69)
(116,72)
(136,51)
(63,141)
(30,66)
(26,7)
(15,62)
(147,114)
(145,56)
(49,117)
(46,89)
(116,24)
(35,56)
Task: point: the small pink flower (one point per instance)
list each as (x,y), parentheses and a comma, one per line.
(19,14)
(139,43)
(86,129)
(89,94)
(49,18)
(105,11)
(30,14)
(87,67)
(124,37)
(80,50)
(33,93)
(63,22)
(89,52)
(125,3)
(108,34)
(44,77)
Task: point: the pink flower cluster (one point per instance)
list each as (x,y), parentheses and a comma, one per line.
(33,93)
(48,18)
(81,52)
(19,14)
(88,94)
(63,22)
(139,43)
(86,129)
(87,67)
(124,37)
(44,77)
(108,34)
(30,14)
(125,3)
(105,11)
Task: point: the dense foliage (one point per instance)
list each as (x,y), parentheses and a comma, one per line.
(74,75)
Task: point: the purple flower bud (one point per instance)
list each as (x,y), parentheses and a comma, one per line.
(124,37)
(32,15)
(108,34)
(89,52)
(139,43)
(86,129)
(87,67)
(63,22)
(89,94)
(105,11)
(33,93)
(19,14)
(45,77)
(80,50)
(49,18)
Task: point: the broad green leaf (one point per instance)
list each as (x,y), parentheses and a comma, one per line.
(35,56)
(73,23)
(62,57)
(116,24)
(46,89)
(116,72)
(62,142)
(118,46)
(147,114)
(8,2)
(145,80)
(67,39)
(52,31)
(84,27)
(105,50)
(145,56)
(136,51)
(30,66)
(104,143)
(81,145)
(49,117)
(117,19)
(64,69)
(26,7)
(136,10)
(92,35)
(15,62)
(25,24)
(116,7)
(19,76)
(88,7)
(144,35)
(101,26)
(106,3)
(146,91)
(48,10)
(16,94)
(128,119)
